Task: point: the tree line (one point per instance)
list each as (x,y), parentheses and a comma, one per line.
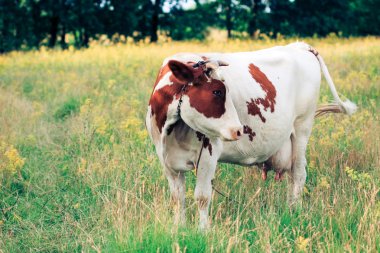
(29,24)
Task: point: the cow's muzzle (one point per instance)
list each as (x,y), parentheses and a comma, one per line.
(231,134)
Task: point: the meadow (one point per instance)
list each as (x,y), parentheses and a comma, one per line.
(78,172)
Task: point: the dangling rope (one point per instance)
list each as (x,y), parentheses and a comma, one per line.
(212,181)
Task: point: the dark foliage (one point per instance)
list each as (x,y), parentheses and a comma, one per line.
(28,24)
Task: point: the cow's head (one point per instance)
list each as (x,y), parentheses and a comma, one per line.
(207,105)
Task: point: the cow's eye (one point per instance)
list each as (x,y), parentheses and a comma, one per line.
(217,93)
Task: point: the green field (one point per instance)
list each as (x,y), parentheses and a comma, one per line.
(79,173)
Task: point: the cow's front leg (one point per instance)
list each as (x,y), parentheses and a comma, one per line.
(203,189)
(178,191)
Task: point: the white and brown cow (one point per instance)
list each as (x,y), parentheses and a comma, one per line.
(241,108)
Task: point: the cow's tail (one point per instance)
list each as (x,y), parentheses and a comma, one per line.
(339,106)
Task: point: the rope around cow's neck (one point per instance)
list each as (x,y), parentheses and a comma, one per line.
(183,89)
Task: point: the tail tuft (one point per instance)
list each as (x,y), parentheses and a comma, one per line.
(348,107)
(329,108)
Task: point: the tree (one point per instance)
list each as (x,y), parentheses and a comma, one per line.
(182,24)
(365,17)
(157,8)
(256,6)
(53,13)
(31,23)
(314,18)
(228,8)
(281,18)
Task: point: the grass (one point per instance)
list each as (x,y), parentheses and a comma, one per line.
(78,172)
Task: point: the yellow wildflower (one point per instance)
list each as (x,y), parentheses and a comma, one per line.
(377,210)
(37,110)
(11,161)
(31,139)
(190,193)
(111,83)
(101,125)
(324,184)
(82,166)
(135,103)
(130,123)
(142,135)
(302,243)
(312,164)
(363,179)
(85,108)
(306,191)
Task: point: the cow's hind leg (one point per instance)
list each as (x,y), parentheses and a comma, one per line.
(298,172)
(178,192)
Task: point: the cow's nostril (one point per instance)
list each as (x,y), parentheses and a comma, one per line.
(232,134)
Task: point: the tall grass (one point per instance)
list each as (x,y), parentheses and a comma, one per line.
(78,172)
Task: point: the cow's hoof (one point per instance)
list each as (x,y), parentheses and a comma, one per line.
(204,227)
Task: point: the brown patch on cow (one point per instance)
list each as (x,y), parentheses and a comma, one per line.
(204,101)
(163,71)
(206,141)
(199,135)
(270,98)
(207,144)
(248,130)
(254,109)
(162,98)
(269,101)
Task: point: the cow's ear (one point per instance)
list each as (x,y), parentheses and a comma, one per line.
(181,71)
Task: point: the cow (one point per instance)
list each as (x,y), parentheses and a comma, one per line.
(243,108)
